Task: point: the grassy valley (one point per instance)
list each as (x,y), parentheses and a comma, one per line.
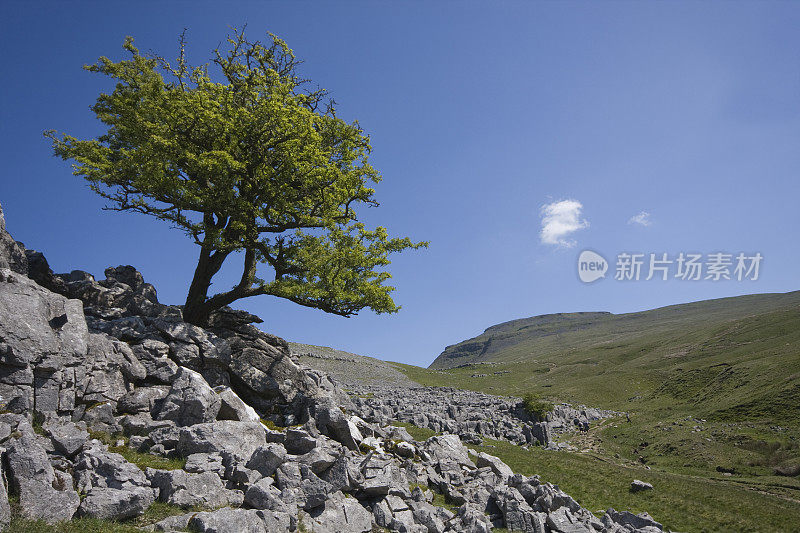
(712,390)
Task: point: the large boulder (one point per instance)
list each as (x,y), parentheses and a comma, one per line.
(115,489)
(330,419)
(240,439)
(115,504)
(263,372)
(234,408)
(44,494)
(68,438)
(338,514)
(190,400)
(498,467)
(185,489)
(266,459)
(39,500)
(26,460)
(227,520)
(42,335)
(447,449)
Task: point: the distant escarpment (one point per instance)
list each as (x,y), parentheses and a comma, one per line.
(496,338)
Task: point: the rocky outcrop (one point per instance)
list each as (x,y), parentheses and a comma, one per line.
(12,253)
(469,414)
(268,444)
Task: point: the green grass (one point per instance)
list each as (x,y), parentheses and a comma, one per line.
(418,433)
(681,502)
(155,513)
(142,460)
(711,388)
(708,385)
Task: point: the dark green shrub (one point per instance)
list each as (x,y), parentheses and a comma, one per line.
(536,406)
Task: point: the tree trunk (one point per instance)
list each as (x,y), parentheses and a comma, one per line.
(195,310)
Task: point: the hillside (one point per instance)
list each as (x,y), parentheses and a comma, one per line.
(712,388)
(733,357)
(349,368)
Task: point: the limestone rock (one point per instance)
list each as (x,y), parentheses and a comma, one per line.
(639,486)
(39,500)
(227,520)
(240,439)
(233,408)
(184,489)
(12,254)
(115,504)
(190,400)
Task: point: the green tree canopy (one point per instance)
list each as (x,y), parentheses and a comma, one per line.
(256,163)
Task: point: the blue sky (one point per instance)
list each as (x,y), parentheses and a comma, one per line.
(480,115)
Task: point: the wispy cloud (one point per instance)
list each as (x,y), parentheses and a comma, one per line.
(642,219)
(559,220)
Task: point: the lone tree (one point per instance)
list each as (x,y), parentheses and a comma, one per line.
(256,163)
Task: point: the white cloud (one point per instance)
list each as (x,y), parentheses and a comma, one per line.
(643,219)
(560,219)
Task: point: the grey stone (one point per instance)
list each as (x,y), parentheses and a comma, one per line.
(473,520)
(262,494)
(39,327)
(299,441)
(110,367)
(174,523)
(125,274)
(205,462)
(100,417)
(426,515)
(12,254)
(339,514)
(67,437)
(167,436)
(141,399)
(313,490)
(153,355)
(278,520)
(318,460)
(333,422)
(185,489)
(344,474)
(266,459)
(639,486)
(497,466)
(626,518)
(95,466)
(116,504)
(288,476)
(39,500)
(447,448)
(405,449)
(227,520)
(5,507)
(185,354)
(233,408)
(27,460)
(240,439)
(241,475)
(563,521)
(190,400)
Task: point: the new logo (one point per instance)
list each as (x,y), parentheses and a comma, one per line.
(591,266)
